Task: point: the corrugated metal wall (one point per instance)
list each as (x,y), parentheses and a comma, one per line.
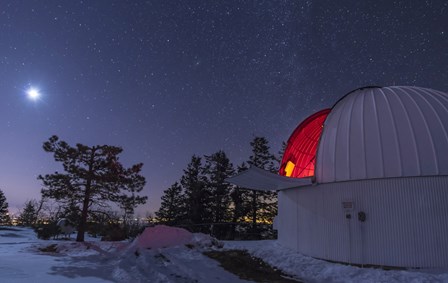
(406,221)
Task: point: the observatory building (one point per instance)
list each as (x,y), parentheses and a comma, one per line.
(366,182)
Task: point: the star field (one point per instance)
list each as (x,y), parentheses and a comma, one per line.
(169,79)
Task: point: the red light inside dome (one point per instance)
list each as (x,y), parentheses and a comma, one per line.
(300,153)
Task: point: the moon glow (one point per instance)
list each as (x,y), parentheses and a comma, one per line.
(33,93)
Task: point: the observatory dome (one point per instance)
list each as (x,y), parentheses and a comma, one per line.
(382,132)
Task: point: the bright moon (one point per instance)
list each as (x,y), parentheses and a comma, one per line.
(33,93)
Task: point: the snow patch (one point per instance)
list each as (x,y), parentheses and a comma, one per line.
(314,270)
(94,261)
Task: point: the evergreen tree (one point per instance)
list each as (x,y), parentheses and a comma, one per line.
(263,205)
(28,217)
(218,168)
(93,176)
(240,198)
(282,152)
(196,195)
(4,213)
(72,213)
(240,201)
(261,156)
(172,208)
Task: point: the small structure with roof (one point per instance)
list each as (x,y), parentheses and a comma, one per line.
(366,182)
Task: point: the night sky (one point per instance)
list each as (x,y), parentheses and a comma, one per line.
(169,79)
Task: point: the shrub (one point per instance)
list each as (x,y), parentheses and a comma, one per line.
(46,231)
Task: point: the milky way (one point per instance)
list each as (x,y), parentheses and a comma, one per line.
(169,79)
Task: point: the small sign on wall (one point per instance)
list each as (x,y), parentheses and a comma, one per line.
(348,205)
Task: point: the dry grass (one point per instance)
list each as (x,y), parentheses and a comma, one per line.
(53,248)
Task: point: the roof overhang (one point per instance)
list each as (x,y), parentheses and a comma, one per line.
(258,179)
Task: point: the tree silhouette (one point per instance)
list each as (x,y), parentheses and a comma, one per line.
(93,177)
(172,208)
(4,213)
(28,216)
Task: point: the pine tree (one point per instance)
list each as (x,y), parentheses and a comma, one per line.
(240,197)
(196,195)
(93,176)
(263,205)
(218,168)
(282,152)
(261,156)
(4,213)
(72,213)
(172,208)
(28,217)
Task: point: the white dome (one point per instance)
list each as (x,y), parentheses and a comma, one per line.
(380,132)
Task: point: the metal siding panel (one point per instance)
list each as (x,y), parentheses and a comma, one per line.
(341,161)
(388,135)
(357,141)
(289,218)
(281,217)
(406,221)
(423,138)
(293,219)
(407,146)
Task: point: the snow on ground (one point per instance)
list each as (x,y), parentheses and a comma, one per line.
(21,260)
(163,254)
(313,270)
(19,263)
